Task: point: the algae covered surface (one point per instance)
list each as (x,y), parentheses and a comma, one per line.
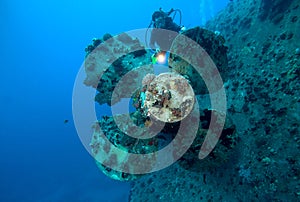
(263,103)
(255,47)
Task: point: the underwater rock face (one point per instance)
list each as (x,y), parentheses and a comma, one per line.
(263,98)
(273,10)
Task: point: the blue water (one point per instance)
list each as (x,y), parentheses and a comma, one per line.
(42,48)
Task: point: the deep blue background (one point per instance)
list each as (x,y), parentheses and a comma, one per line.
(42,48)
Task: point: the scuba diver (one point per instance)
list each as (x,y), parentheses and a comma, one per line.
(162,20)
(160,39)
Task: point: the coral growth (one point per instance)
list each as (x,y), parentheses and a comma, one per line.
(106,63)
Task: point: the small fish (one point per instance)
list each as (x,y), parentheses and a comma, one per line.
(66,121)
